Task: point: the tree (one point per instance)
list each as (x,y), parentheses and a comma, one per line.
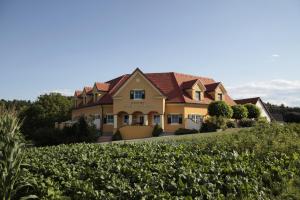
(219,109)
(253,111)
(47,110)
(239,112)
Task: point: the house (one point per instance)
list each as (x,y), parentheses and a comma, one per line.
(259,103)
(134,103)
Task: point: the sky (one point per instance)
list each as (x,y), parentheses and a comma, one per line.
(251,46)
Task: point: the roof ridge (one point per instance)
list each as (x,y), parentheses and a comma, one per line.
(192,76)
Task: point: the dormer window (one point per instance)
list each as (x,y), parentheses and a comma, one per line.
(198,95)
(220,97)
(137,94)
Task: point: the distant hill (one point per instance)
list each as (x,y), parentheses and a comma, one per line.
(284,113)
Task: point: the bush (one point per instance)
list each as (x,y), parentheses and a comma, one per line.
(157,130)
(253,111)
(213,123)
(292,117)
(231,124)
(184,131)
(219,109)
(117,136)
(246,123)
(79,132)
(239,112)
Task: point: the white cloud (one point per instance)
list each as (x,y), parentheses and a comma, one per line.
(65,92)
(274,91)
(275,55)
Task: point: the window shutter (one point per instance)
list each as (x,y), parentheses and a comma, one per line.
(143,94)
(105,120)
(169,119)
(131,94)
(180,119)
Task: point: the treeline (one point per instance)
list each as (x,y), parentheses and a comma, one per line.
(287,114)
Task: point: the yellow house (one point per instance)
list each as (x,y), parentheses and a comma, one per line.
(134,103)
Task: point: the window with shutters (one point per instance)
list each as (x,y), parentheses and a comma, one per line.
(175,119)
(137,94)
(195,118)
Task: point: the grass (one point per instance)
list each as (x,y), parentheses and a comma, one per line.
(188,137)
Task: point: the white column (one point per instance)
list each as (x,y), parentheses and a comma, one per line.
(162,122)
(129,119)
(146,120)
(115,121)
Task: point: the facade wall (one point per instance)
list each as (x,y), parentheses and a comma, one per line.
(153,100)
(263,111)
(173,109)
(87,111)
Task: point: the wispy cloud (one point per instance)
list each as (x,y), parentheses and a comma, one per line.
(65,92)
(276,91)
(275,55)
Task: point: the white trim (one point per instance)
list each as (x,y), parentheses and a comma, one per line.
(132,77)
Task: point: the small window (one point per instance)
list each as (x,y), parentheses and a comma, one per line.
(174,119)
(156,119)
(137,94)
(198,95)
(109,119)
(196,118)
(126,119)
(220,96)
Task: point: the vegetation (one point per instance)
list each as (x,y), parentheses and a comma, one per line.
(11,156)
(211,124)
(220,109)
(183,131)
(239,112)
(246,123)
(117,136)
(253,111)
(157,130)
(256,163)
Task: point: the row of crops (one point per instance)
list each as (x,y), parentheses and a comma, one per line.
(260,163)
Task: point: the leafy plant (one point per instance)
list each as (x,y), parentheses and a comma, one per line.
(253,111)
(184,131)
(117,136)
(220,109)
(239,112)
(157,130)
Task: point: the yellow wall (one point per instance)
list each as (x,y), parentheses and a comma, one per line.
(136,132)
(153,100)
(173,109)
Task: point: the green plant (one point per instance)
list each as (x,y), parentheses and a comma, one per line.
(220,109)
(246,123)
(213,123)
(117,136)
(231,124)
(157,130)
(11,156)
(183,131)
(239,112)
(253,111)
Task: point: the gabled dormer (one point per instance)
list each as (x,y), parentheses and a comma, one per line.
(99,89)
(87,94)
(216,90)
(77,98)
(195,89)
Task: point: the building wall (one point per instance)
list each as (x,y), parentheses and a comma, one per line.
(173,109)
(263,111)
(153,100)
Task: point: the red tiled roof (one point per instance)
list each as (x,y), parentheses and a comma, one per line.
(212,86)
(253,100)
(170,84)
(88,89)
(102,86)
(77,93)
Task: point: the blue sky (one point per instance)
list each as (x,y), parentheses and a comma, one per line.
(252,46)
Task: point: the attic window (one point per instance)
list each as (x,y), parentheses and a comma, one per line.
(198,95)
(137,94)
(220,96)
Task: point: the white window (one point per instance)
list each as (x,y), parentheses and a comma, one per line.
(195,118)
(137,94)
(198,95)
(156,119)
(220,97)
(126,119)
(109,119)
(174,119)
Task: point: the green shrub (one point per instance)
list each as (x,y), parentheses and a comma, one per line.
(157,130)
(220,109)
(253,111)
(231,124)
(184,131)
(246,123)
(211,124)
(239,112)
(117,136)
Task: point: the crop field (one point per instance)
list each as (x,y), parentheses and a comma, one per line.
(257,163)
